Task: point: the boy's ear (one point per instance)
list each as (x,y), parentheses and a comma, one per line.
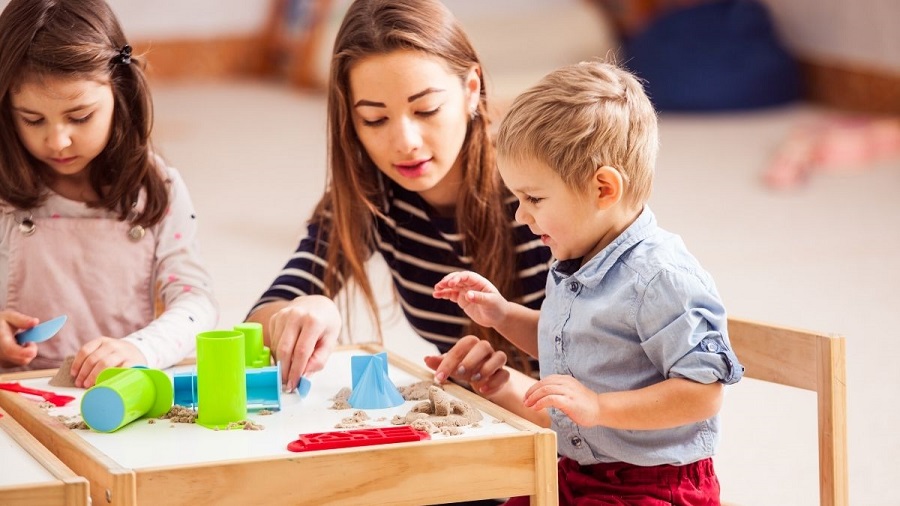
(607,186)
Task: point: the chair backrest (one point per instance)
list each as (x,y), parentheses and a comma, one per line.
(809,361)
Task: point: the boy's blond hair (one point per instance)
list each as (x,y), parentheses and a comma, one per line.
(581,117)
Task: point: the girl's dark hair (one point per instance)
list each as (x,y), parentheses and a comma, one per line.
(355,195)
(79,39)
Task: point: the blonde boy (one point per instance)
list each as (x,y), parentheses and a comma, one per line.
(631,338)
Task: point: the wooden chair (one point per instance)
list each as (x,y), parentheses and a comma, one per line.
(809,361)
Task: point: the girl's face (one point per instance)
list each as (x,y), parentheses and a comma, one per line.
(411,115)
(64,123)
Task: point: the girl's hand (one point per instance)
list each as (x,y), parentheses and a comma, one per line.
(102,353)
(567,394)
(303,335)
(12,353)
(473,361)
(477,297)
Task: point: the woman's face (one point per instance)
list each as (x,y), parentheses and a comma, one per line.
(411,115)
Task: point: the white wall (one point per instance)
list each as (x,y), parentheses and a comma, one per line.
(187,18)
(864,32)
(860,31)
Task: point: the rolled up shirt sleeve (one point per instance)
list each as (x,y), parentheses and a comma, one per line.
(684,329)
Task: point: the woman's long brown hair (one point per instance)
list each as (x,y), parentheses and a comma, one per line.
(79,39)
(354,194)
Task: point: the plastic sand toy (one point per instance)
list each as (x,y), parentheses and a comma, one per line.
(357,437)
(221,378)
(263,388)
(372,388)
(122,395)
(257,354)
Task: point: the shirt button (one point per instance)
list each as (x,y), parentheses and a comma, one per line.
(573,286)
(558,339)
(576,441)
(712,347)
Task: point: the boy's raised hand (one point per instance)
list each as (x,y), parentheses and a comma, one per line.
(480,300)
(473,361)
(566,394)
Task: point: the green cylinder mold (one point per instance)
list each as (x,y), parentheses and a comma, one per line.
(122,395)
(257,354)
(221,381)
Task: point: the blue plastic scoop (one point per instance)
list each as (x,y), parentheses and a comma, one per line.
(42,331)
(303,386)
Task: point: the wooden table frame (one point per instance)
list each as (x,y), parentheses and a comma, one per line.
(67,488)
(445,470)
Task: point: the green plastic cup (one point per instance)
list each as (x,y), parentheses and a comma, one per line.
(221,381)
(257,354)
(122,395)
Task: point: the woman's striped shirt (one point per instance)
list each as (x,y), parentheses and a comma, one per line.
(420,248)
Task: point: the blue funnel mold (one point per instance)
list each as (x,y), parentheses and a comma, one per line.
(372,388)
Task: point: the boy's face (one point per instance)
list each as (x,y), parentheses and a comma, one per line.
(568,221)
(64,123)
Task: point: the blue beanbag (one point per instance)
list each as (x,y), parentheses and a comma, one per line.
(723,55)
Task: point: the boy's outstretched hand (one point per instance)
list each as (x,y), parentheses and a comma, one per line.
(566,394)
(473,361)
(480,300)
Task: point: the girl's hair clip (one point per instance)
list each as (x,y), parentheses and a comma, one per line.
(124,56)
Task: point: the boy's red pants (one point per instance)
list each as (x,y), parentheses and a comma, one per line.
(618,483)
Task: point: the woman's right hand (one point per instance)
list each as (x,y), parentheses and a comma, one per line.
(13,354)
(302,335)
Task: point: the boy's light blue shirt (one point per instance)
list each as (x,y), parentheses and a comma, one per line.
(641,311)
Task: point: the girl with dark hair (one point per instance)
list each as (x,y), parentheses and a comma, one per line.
(93,225)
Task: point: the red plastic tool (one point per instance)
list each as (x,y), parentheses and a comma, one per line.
(314,441)
(51,397)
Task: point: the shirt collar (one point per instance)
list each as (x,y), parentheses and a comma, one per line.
(592,272)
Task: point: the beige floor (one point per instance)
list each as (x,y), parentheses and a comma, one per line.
(823,257)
